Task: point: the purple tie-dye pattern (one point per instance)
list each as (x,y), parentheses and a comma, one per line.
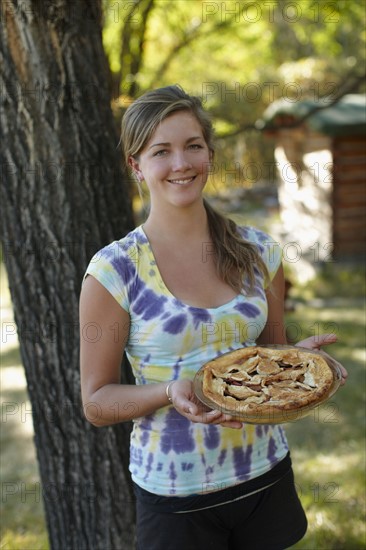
(259,430)
(125,268)
(173,477)
(199,316)
(187,466)
(271,451)
(283,436)
(250,310)
(211,437)
(147,299)
(144,439)
(177,368)
(244,232)
(136,456)
(175,324)
(146,425)
(149,305)
(222,457)
(150,460)
(140,236)
(262,237)
(242,462)
(259,291)
(177,434)
(144,364)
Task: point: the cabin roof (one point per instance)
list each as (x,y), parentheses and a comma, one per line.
(346,117)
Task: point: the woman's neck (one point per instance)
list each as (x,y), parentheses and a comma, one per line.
(178,224)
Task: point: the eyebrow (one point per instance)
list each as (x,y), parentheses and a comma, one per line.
(165,144)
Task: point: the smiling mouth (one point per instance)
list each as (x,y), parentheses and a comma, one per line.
(182,181)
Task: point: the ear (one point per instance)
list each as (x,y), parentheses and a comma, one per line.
(135,168)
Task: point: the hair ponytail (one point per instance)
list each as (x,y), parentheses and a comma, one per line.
(236,258)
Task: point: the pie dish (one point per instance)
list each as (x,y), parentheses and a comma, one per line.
(267,384)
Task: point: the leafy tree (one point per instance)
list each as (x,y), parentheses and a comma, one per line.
(239,56)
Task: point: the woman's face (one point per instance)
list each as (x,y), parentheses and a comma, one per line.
(175,162)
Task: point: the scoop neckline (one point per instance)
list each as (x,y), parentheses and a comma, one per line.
(167,291)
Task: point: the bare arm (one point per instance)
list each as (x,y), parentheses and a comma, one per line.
(104,329)
(274,331)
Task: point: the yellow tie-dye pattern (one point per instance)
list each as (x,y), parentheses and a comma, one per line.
(160,350)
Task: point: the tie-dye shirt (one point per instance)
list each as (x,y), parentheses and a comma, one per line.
(169,455)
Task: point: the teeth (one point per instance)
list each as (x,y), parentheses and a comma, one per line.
(182,182)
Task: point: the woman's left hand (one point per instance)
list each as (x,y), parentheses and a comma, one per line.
(187,404)
(316,342)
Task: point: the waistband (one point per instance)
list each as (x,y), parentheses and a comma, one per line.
(203,501)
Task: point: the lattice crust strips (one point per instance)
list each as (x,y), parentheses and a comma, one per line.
(267,380)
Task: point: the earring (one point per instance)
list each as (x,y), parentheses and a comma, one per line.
(139,177)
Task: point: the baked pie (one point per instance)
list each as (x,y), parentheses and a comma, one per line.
(265,382)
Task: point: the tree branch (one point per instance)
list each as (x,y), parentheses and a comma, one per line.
(346,88)
(186,40)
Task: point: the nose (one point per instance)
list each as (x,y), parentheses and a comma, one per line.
(180,162)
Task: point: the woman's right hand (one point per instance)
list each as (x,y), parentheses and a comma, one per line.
(187,404)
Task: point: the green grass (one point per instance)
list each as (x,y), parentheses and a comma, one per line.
(334,280)
(22,515)
(327,447)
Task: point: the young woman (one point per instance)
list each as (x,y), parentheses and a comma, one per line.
(179,290)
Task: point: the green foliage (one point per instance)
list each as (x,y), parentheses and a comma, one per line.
(230,42)
(238,56)
(334,281)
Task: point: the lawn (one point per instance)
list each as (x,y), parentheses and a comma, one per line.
(328,447)
(21,507)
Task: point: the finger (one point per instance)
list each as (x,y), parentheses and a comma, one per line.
(235,424)
(188,407)
(316,342)
(224,418)
(205,417)
(325,339)
(344,376)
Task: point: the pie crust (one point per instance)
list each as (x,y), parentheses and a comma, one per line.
(265,382)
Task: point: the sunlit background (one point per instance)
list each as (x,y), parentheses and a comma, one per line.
(259,67)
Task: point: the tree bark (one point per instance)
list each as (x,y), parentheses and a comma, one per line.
(64,196)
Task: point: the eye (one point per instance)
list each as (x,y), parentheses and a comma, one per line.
(160,153)
(195,146)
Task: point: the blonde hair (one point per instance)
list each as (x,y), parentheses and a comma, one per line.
(236,259)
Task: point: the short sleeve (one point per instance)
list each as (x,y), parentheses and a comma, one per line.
(114,268)
(269,249)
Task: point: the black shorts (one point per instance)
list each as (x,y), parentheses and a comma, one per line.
(271,519)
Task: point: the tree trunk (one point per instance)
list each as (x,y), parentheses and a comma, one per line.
(64,196)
